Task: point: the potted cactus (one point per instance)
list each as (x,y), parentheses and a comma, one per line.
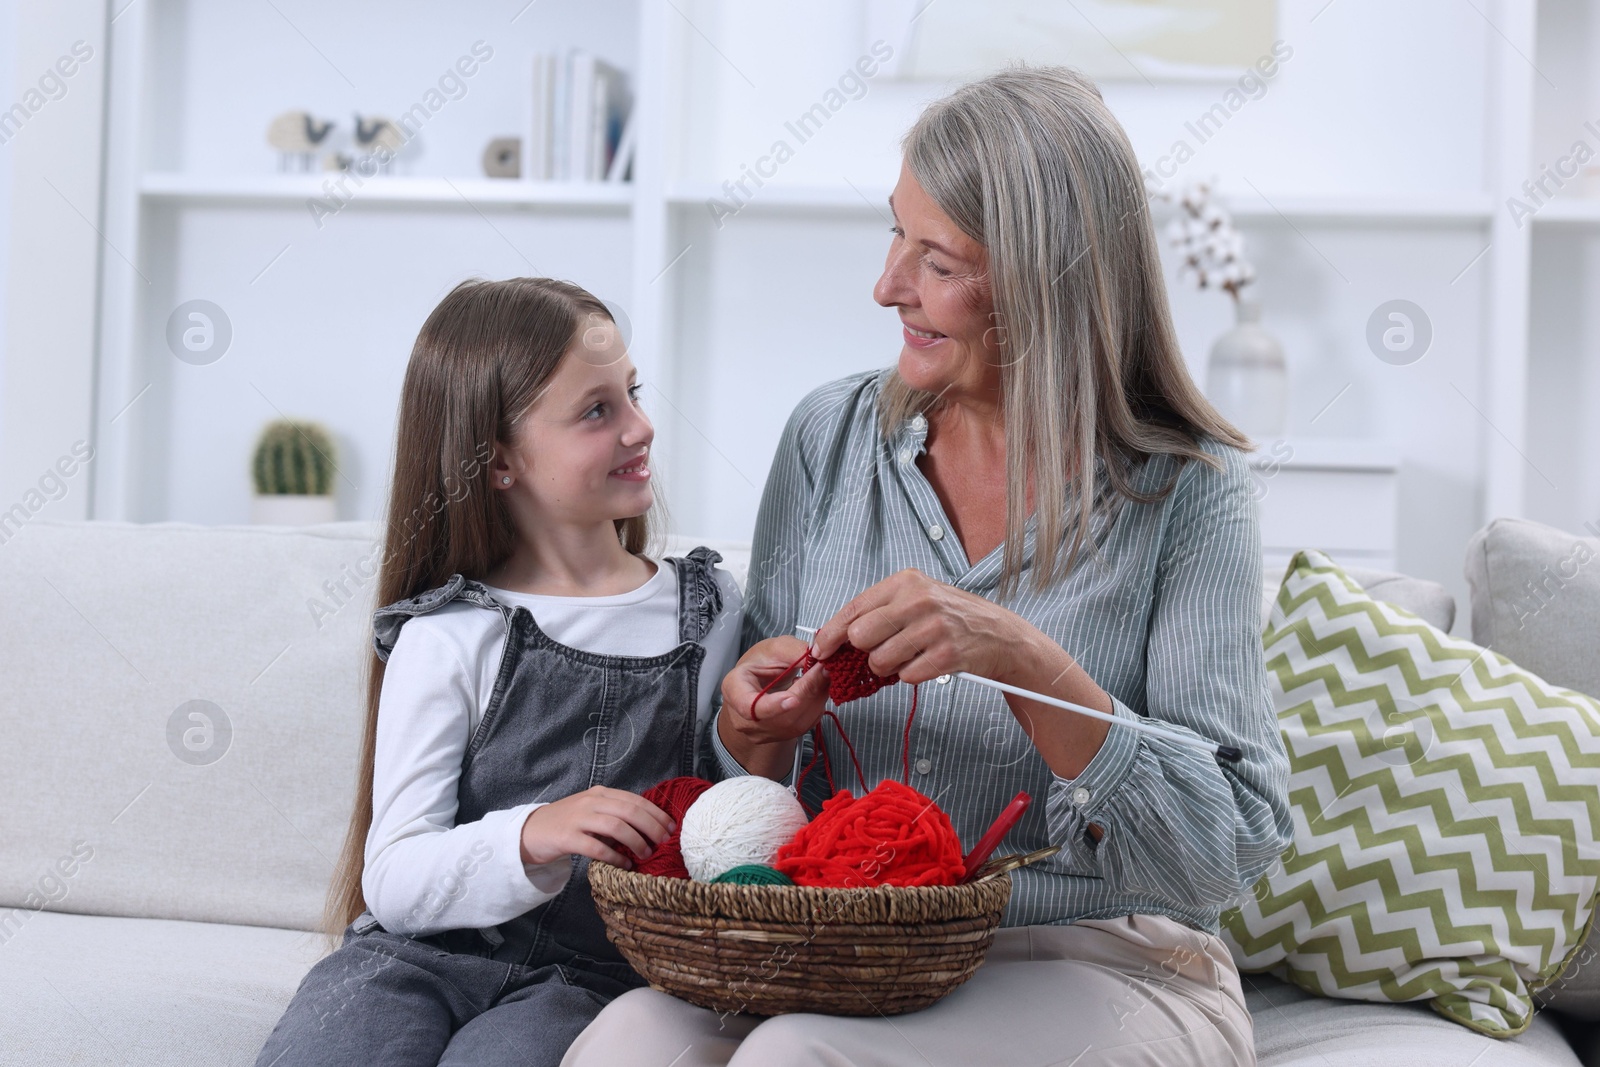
(293,471)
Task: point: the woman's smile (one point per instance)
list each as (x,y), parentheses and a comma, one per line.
(921,338)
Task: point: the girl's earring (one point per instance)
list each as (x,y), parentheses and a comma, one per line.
(505,479)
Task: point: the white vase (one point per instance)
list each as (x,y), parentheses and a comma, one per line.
(293,509)
(1247,378)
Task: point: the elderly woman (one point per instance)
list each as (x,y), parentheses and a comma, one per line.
(1038,494)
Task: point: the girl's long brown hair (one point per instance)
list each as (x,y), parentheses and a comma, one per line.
(480,362)
(1030,163)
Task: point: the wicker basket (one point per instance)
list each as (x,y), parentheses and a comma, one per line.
(769,950)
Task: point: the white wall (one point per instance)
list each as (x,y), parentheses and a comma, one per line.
(1379,100)
(8,80)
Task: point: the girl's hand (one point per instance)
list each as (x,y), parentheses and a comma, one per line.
(763,740)
(592,823)
(918,628)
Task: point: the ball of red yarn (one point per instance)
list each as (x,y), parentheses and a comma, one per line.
(849,677)
(891,836)
(672,796)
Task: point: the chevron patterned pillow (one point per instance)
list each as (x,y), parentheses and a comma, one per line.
(1446,807)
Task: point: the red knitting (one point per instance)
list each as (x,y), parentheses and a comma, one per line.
(849,677)
(672,796)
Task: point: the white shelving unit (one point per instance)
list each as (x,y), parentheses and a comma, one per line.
(1571,212)
(294,189)
(648,244)
(1339,496)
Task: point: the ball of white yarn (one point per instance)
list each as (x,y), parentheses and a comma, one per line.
(742,820)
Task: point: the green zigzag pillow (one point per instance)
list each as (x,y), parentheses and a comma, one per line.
(1446,807)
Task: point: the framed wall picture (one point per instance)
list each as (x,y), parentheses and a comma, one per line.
(1140,40)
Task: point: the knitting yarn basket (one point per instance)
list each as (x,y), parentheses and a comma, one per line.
(771,950)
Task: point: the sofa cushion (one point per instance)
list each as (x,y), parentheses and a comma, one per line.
(166,993)
(1536,599)
(1295,1028)
(146,992)
(1425,599)
(185,704)
(1445,803)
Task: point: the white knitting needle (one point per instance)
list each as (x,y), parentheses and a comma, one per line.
(1224,752)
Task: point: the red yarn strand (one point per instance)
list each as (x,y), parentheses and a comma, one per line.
(821,749)
(849,678)
(806,655)
(861,779)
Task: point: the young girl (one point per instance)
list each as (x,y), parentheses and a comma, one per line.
(536,670)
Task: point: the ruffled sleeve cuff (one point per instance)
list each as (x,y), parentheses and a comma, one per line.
(1074,803)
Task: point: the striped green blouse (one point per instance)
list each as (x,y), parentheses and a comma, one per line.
(1167,622)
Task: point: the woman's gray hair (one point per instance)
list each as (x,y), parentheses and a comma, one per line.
(1031,164)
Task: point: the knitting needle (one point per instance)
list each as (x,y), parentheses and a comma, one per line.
(1222,752)
(997,830)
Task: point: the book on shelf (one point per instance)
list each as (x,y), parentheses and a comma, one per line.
(582,128)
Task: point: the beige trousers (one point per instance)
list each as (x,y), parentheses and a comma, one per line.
(1134,990)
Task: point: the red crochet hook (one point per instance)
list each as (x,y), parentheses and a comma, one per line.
(997,830)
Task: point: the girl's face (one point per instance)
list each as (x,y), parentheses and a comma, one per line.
(938,277)
(581,450)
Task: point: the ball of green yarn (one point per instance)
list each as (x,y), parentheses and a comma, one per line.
(753,874)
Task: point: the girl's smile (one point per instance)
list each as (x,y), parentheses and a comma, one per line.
(634,472)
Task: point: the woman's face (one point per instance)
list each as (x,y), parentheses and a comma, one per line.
(577,442)
(938,278)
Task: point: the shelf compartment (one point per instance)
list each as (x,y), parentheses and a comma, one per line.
(1569,211)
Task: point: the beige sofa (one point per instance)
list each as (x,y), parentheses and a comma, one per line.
(183,704)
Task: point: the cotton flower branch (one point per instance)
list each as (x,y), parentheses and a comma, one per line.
(1204,234)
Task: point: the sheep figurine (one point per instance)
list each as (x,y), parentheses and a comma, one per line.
(296,135)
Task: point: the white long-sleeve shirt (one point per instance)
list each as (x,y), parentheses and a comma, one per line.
(423,873)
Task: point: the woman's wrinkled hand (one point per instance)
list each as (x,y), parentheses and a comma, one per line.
(761,734)
(918,628)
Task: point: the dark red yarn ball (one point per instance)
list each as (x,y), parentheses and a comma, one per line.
(672,796)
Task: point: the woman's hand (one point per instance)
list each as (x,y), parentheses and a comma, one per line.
(762,737)
(593,823)
(910,625)
(918,628)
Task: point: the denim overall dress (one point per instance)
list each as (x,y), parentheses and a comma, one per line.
(559,720)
